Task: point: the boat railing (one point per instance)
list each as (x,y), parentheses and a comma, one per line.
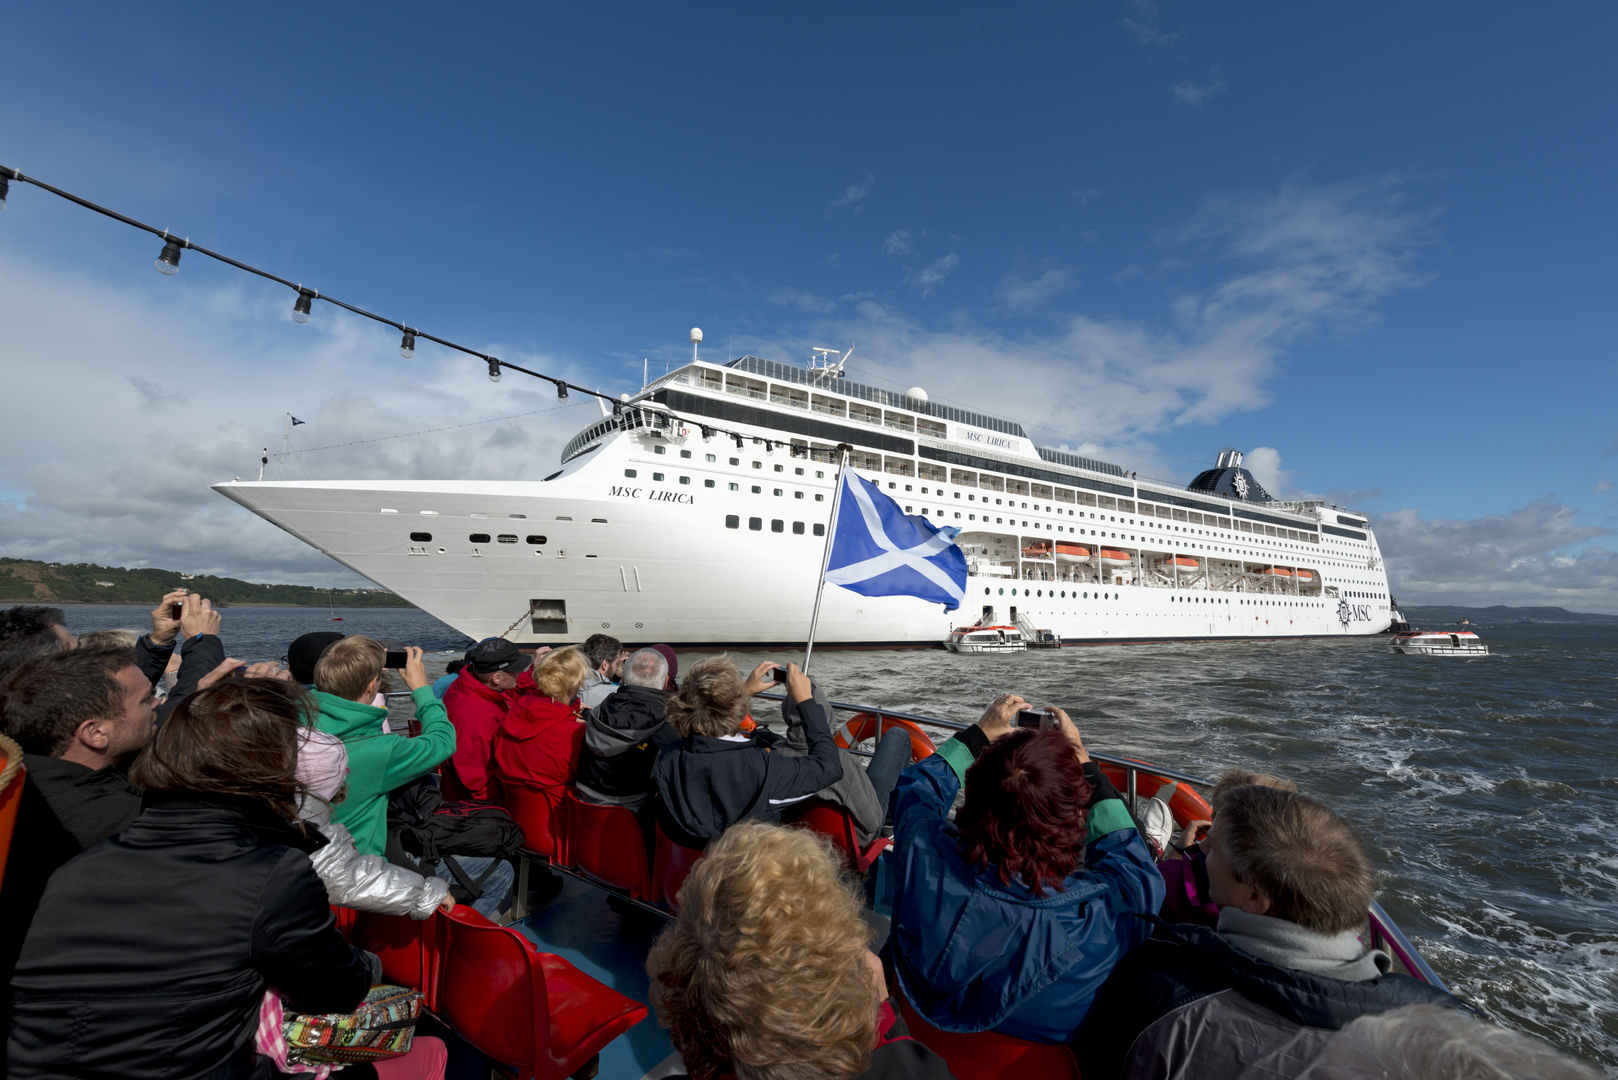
(1387,936)
(1130,766)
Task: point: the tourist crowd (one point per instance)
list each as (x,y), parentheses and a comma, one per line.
(189,820)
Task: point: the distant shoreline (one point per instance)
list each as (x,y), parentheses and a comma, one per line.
(225,606)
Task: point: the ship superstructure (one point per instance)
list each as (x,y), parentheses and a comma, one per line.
(660,527)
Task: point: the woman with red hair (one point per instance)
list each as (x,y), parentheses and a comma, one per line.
(1011,917)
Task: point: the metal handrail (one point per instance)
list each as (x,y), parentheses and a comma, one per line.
(1383,924)
(1129,765)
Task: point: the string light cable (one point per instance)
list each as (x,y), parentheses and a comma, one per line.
(168,264)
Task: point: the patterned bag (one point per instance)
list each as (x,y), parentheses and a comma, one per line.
(382,1027)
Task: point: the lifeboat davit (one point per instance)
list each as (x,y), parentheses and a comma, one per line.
(1183,560)
(1077,551)
(1114,557)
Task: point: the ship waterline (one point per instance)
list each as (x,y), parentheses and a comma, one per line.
(658,528)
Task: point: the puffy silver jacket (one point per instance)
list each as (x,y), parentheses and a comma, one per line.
(370,882)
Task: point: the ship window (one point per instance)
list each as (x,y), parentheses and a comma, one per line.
(778,492)
(707,483)
(780,468)
(797,472)
(563,517)
(797,528)
(820,529)
(735,461)
(422,538)
(478,538)
(758,464)
(777,525)
(923,490)
(507,538)
(685,479)
(630,473)
(685,453)
(820,498)
(385,510)
(757,490)
(735,487)
(657,476)
(536,540)
(756,524)
(597,521)
(957,515)
(957,494)
(520,516)
(732,521)
(660,449)
(429,513)
(819,474)
(909,510)
(797,494)
(709,457)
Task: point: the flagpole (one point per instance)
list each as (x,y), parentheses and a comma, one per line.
(286,433)
(843,450)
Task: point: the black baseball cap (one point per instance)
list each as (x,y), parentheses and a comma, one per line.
(495,654)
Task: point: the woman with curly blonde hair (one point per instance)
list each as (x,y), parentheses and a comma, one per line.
(538,743)
(767,974)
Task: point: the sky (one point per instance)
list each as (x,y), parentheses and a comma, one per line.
(1372,246)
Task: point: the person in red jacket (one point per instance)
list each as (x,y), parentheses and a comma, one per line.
(538,743)
(478,701)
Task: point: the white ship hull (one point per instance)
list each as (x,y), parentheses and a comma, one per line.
(593,550)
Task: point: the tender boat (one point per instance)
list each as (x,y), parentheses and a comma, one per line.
(1439,643)
(979,639)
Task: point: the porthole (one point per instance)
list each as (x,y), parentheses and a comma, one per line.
(660,449)
(732,521)
(478,538)
(507,538)
(685,479)
(536,540)
(755,524)
(657,476)
(422,538)
(685,453)
(820,530)
(777,525)
(707,483)
(630,473)
(797,528)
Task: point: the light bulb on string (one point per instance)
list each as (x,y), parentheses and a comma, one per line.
(561,391)
(6,176)
(407,346)
(300,310)
(168,263)
(494,370)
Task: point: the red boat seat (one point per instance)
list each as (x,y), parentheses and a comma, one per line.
(532,1012)
(405,947)
(988,1055)
(605,843)
(12,775)
(670,865)
(833,821)
(539,813)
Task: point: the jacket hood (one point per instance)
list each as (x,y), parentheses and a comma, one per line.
(349,719)
(1312,1000)
(468,683)
(322,768)
(533,715)
(627,718)
(169,818)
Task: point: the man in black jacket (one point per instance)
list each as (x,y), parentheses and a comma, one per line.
(1260,997)
(81,717)
(28,631)
(623,735)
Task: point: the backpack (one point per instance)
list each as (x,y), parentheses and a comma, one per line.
(424,830)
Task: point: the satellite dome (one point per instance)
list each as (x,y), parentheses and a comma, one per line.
(916,392)
(696,335)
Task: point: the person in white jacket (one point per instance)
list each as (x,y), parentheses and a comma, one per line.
(363,882)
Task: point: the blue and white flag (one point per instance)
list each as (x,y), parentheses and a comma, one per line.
(878,550)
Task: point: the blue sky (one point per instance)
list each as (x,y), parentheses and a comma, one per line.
(1370,245)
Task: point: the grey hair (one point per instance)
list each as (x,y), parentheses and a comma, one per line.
(1429,1042)
(646,667)
(109,639)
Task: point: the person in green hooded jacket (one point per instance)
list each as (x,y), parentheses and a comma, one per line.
(346,679)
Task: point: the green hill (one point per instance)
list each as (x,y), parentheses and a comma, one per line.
(31,582)
(1420,614)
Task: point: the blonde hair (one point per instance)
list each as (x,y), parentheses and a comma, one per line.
(711,701)
(764,969)
(109,639)
(1235,778)
(560,673)
(348,665)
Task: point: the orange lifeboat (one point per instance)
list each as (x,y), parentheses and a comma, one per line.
(1183,560)
(1276,571)
(1078,551)
(1306,577)
(1037,551)
(1115,557)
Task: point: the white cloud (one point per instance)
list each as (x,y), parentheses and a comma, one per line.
(1026,294)
(1264,462)
(898,244)
(803,301)
(1198,95)
(1084,198)
(854,193)
(1522,557)
(1603,485)
(929,277)
(1145,25)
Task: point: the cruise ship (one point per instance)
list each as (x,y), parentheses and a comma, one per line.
(695,513)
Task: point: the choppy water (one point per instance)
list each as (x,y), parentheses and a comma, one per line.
(1485,789)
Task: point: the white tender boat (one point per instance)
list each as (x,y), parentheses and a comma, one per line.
(976,639)
(1439,643)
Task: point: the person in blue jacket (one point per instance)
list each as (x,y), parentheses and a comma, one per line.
(1011,917)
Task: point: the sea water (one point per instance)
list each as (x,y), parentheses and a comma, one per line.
(1486,789)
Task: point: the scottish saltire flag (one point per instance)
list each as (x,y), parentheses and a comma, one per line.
(877,550)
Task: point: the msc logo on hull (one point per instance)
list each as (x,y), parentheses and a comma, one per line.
(1347,613)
